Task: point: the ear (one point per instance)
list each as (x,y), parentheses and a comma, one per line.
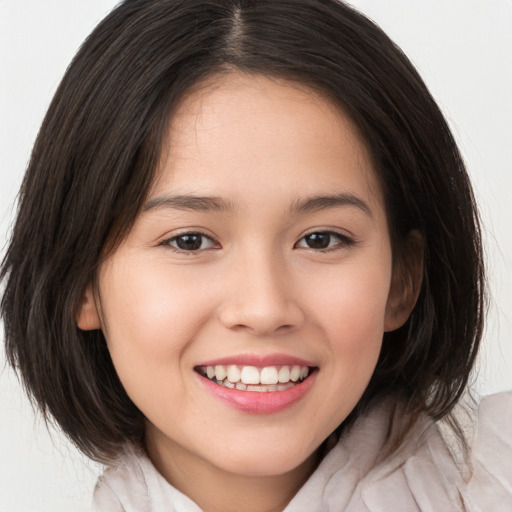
(87,317)
(405,283)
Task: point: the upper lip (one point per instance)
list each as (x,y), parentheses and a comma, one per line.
(258,360)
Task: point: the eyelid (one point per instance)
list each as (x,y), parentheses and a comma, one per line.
(345,239)
(335,231)
(187,231)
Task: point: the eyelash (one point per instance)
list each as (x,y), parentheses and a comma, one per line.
(343,242)
(168,242)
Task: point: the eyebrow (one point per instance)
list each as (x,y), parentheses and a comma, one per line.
(189,203)
(217,204)
(316,203)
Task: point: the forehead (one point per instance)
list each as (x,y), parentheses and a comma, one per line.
(237,133)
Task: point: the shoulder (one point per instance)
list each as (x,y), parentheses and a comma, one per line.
(133,484)
(424,473)
(434,472)
(490,484)
(122,487)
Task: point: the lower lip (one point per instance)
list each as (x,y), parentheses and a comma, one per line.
(259,402)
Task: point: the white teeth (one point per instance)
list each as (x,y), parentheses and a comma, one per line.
(262,388)
(269,375)
(294,374)
(220,372)
(250,375)
(251,378)
(284,374)
(233,373)
(251,387)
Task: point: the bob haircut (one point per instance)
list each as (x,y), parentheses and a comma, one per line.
(96,156)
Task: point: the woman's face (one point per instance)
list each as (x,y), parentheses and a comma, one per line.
(262,253)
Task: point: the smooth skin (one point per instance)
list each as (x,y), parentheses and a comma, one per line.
(287,251)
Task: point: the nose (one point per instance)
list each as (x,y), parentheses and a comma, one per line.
(260,298)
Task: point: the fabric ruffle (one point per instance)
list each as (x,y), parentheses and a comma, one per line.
(423,475)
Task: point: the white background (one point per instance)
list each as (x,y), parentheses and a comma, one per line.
(461,47)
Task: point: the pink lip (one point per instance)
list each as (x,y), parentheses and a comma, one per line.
(259,360)
(266,402)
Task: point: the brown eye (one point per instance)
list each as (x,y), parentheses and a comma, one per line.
(190,242)
(318,240)
(324,240)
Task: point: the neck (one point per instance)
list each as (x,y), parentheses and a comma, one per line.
(216,490)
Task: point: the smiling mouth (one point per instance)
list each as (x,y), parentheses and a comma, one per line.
(253,378)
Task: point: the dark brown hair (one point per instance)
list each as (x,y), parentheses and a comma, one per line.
(96,155)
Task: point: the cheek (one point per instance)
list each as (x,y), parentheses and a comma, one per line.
(352,323)
(349,309)
(351,300)
(149,311)
(148,324)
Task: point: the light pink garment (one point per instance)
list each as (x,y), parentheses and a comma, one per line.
(420,476)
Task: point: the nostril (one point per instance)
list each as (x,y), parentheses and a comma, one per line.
(261,319)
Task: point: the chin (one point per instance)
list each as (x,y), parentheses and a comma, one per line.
(267,461)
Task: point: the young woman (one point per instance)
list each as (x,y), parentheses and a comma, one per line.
(246,271)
